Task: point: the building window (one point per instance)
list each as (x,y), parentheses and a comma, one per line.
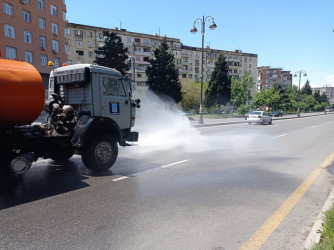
(145,41)
(41,23)
(66,32)
(27,36)
(10,52)
(56,61)
(8,8)
(78,43)
(54,28)
(40,4)
(64,15)
(90,44)
(55,46)
(89,34)
(44,60)
(90,54)
(54,10)
(9,31)
(42,42)
(128,39)
(28,56)
(78,34)
(26,16)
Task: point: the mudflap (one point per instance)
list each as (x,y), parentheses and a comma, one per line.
(133,136)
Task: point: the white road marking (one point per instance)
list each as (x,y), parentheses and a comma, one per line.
(313,126)
(120,178)
(225,125)
(135,175)
(223,133)
(175,163)
(280,136)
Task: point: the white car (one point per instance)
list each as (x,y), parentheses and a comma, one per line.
(260,117)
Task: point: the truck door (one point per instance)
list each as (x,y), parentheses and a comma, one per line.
(115,102)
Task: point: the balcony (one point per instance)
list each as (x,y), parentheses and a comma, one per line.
(142,53)
(141,44)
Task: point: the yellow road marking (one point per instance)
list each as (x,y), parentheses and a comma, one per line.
(267,228)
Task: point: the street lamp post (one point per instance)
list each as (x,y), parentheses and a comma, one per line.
(300,72)
(193,31)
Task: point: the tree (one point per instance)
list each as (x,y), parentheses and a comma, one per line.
(323,97)
(112,54)
(240,89)
(191,94)
(317,96)
(162,77)
(306,89)
(219,88)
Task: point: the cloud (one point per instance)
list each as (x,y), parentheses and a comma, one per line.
(327,81)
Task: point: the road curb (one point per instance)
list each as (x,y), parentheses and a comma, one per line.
(314,236)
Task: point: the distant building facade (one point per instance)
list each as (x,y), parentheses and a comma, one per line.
(268,76)
(84,39)
(34,31)
(238,62)
(329,92)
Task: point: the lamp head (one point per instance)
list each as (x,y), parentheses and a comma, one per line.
(213,25)
(305,74)
(193,30)
(295,75)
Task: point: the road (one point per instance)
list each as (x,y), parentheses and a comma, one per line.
(180,188)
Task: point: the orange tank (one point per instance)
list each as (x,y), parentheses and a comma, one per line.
(21,93)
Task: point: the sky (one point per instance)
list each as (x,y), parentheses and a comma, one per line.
(296,35)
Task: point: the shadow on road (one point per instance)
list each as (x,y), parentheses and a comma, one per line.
(40,182)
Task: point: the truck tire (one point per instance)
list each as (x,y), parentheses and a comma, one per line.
(61,156)
(101,153)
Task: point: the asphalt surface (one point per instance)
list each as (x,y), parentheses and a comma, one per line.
(175,195)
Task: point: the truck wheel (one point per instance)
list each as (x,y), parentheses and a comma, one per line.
(61,156)
(101,153)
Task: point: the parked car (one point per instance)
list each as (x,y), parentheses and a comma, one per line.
(277,113)
(260,117)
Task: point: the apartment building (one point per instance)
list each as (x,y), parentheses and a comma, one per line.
(84,39)
(329,92)
(34,31)
(268,76)
(238,62)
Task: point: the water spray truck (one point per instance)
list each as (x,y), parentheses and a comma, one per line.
(90,111)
